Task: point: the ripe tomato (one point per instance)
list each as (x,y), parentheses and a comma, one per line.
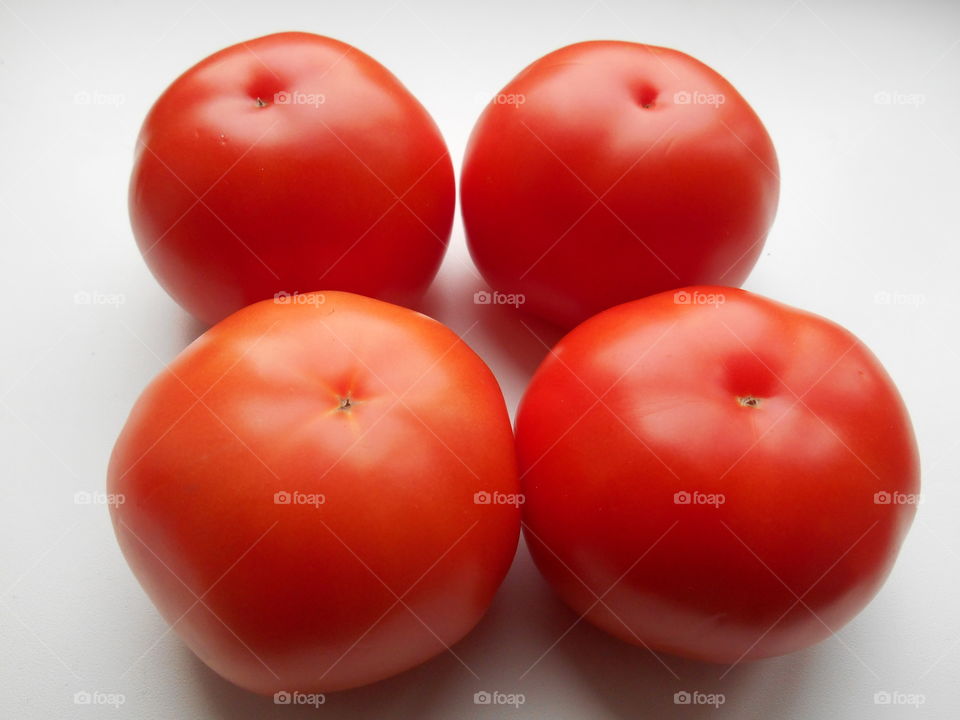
(319,494)
(731,477)
(288,163)
(606,171)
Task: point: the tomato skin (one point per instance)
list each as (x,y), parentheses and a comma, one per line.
(232,202)
(701,398)
(602,185)
(302,595)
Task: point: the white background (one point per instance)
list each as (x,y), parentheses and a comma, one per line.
(868,214)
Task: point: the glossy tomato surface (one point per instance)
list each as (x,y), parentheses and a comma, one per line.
(316,493)
(716,475)
(607,171)
(288,163)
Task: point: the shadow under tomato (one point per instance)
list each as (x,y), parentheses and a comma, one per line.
(628,678)
(409,695)
(512,342)
(191,329)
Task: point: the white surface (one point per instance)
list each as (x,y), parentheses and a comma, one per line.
(869,205)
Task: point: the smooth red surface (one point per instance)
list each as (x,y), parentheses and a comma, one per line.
(304,596)
(603,185)
(340,180)
(649,399)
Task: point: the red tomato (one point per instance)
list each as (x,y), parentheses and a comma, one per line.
(606,171)
(731,477)
(288,163)
(319,494)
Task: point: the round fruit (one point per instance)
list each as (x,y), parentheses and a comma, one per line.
(319,492)
(714,474)
(284,164)
(607,171)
